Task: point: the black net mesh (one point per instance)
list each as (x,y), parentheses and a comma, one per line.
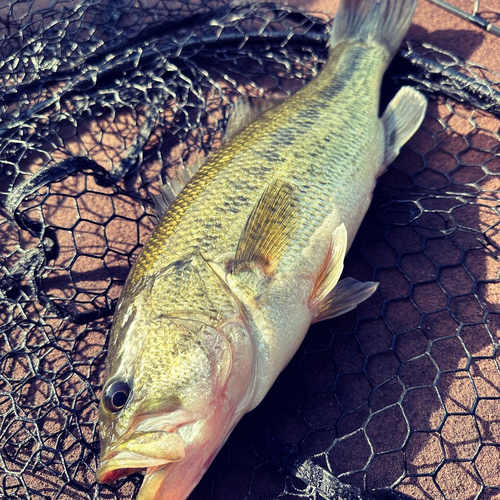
(101,98)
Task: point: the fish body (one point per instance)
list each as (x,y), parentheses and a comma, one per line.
(247,257)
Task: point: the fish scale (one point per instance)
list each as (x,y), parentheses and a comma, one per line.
(248,255)
(238,174)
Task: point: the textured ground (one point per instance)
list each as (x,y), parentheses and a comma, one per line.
(404,392)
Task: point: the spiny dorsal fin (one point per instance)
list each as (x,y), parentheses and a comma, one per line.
(247,110)
(346,295)
(401,119)
(173,187)
(268,230)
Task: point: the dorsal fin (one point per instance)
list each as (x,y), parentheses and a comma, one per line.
(172,188)
(247,110)
(268,230)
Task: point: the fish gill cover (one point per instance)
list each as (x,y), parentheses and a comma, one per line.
(101,98)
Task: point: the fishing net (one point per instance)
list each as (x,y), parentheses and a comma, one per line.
(99,101)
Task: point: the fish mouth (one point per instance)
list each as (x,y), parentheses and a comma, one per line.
(157,472)
(153,479)
(144,452)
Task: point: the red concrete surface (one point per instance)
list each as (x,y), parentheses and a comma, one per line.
(404,392)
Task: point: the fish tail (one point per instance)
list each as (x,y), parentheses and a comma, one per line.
(381,22)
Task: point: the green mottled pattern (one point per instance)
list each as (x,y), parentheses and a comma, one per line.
(327,142)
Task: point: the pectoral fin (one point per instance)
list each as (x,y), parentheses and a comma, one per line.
(330,297)
(268,230)
(332,269)
(401,119)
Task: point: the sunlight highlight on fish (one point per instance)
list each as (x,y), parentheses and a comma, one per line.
(249,255)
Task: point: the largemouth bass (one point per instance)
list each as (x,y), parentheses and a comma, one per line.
(248,255)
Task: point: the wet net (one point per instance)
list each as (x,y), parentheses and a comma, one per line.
(99,101)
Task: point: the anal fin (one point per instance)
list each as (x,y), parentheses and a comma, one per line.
(268,230)
(401,119)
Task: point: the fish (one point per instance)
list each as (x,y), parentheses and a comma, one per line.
(248,254)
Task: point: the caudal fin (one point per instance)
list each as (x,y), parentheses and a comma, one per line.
(383,22)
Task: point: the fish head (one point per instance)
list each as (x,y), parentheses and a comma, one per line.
(169,404)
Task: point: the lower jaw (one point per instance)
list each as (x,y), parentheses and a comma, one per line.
(115,474)
(152,486)
(173,481)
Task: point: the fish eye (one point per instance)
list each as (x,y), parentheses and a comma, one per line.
(116,396)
